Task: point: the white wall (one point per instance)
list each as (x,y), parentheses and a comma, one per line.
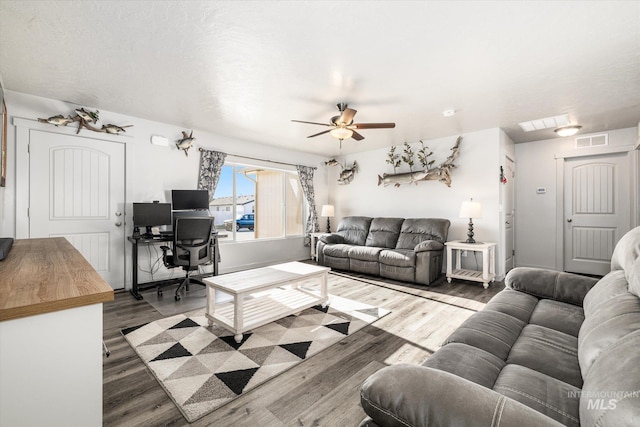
(536,217)
(152,171)
(476,176)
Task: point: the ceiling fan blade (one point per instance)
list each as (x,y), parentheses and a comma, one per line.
(347,116)
(320,133)
(372,125)
(311,123)
(357,136)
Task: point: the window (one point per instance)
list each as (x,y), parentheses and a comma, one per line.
(254,202)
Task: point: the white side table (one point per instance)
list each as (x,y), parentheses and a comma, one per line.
(488,273)
(314,243)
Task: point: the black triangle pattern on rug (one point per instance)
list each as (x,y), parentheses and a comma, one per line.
(298,348)
(219,370)
(177,350)
(343,328)
(232,341)
(126,331)
(321,308)
(186,323)
(237,380)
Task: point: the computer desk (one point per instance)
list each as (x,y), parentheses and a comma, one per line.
(136,241)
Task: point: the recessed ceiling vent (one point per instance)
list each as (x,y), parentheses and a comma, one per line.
(546,123)
(592,141)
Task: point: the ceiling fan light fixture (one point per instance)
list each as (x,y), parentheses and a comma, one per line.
(341,133)
(568,130)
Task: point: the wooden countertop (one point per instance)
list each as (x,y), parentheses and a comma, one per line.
(45,275)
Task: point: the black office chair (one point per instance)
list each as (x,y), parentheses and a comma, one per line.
(191,248)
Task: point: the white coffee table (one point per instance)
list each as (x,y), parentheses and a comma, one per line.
(244,314)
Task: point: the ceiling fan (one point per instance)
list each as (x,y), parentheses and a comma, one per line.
(342,126)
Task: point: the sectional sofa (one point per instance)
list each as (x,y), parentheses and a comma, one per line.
(409,250)
(551,349)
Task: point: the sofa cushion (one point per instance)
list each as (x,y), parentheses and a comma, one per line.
(398,257)
(338,251)
(627,250)
(607,323)
(513,303)
(354,229)
(541,392)
(548,351)
(468,362)
(634,278)
(364,253)
(490,331)
(384,232)
(611,391)
(416,230)
(559,316)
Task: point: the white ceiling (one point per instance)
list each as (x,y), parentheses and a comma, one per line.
(245,68)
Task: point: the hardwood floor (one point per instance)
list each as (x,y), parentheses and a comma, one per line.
(321,391)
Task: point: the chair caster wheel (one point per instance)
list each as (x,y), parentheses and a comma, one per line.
(160,293)
(177,297)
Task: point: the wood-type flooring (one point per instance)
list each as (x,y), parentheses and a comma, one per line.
(321,391)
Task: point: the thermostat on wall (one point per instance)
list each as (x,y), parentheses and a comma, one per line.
(541,190)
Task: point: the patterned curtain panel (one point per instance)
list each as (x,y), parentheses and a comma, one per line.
(210,168)
(306,180)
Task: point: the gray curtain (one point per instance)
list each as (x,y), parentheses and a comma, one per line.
(305,173)
(211,163)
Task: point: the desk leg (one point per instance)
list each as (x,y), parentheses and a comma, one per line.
(134,270)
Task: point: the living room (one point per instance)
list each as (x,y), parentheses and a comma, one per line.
(254,127)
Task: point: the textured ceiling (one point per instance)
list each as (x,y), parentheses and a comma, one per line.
(245,69)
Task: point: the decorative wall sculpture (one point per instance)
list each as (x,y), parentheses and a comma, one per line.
(85,119)
(441,173)
(347,174)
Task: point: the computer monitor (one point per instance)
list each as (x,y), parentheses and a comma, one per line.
(189,199)
(151,215)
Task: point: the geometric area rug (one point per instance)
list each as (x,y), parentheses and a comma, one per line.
(201,367)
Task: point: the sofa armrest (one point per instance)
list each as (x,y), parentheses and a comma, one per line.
(408,395)
(331,239)
(557,285)
(429,245)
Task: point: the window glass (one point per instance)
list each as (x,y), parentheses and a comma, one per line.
(254,202)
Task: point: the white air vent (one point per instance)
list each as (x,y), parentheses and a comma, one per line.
(592,141)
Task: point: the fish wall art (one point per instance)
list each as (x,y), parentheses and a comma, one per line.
(347,174)
(86,119)
(441,173)
(185,142)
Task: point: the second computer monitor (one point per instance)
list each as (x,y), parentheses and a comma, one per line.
(189,199)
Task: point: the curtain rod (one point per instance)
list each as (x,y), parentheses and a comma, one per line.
(260,160)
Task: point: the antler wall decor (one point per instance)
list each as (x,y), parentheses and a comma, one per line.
(441,173)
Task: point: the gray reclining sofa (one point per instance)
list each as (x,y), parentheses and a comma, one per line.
(409,250)
(551,349)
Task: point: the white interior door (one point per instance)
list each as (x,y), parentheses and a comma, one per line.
(509,213)
(596,209)
(77,191)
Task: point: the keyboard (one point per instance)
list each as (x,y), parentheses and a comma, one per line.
(5,247)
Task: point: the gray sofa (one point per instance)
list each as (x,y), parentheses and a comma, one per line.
(551,349)
(410,250)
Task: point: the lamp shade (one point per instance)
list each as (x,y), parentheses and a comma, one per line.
(327,210)
(471,209)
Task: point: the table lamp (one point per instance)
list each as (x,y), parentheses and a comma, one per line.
(470,210)
(328,211)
